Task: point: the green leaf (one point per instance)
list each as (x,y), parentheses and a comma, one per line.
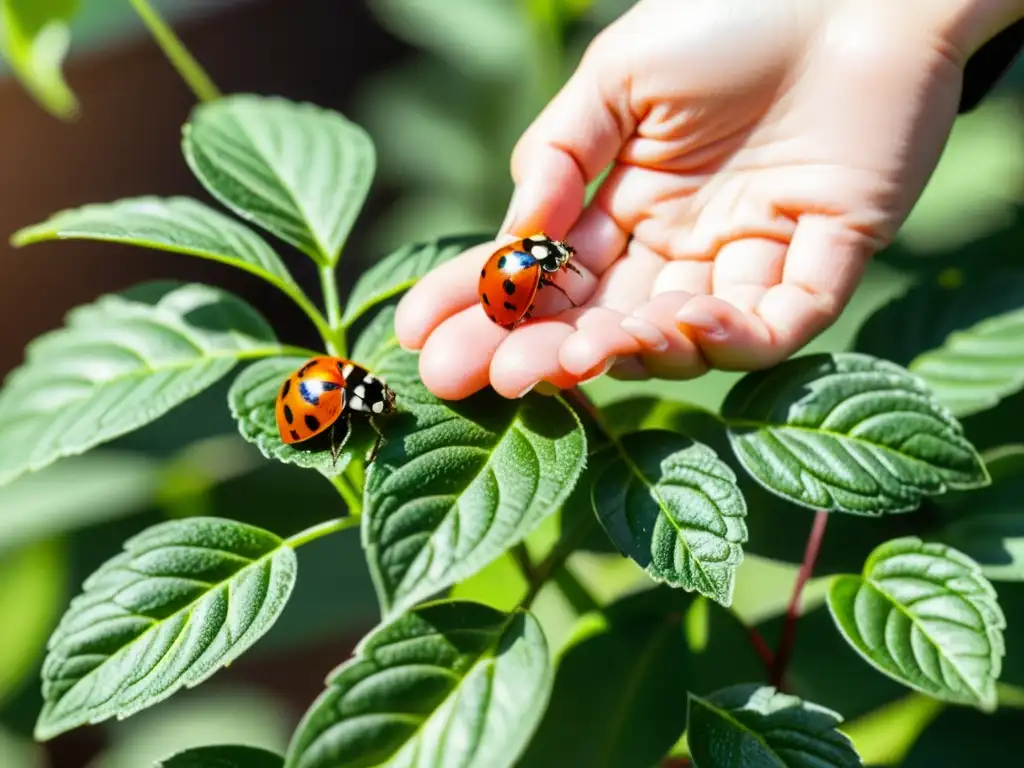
(673,506)
(987,525)
(118,364)
(175,224)
(961,332)
(298,171)
(756,726)
(847,432)
(251,398)
(184,599)
(34,38)
(456,484)
(923,614)
(377,340)
(223,757)
(964,737)
(641,654)
(447,684)
(401,269)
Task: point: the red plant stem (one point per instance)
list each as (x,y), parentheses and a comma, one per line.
(761,648)
(675,762)
(788,639)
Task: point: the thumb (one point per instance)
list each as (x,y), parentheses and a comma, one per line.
(568,145)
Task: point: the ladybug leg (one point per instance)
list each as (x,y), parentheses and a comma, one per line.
(376,443)
(544,281)
(570,265)
(337,446)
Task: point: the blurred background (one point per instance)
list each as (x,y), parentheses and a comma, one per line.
(444,88)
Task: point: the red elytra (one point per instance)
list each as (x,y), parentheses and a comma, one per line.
(510,279)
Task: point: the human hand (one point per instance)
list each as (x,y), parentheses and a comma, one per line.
(763,151)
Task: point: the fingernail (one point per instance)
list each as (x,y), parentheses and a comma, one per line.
(527,391)
(708,326)
(646,333)
(600,371)
(510,217)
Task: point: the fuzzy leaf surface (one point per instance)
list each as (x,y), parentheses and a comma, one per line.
(119,364)
(674,507)
(847,432)
(446,685)
(183,599)
(456,484)
(299,171)
(923,614)
(758,727)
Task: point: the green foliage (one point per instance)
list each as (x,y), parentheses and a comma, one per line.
(121,363)
(183,599)
(446,684)
(757,726)
(673,506)
(566,672)
(223,757)
(457,484)
(34,39)
(299,171)
(848,433)
(924,615)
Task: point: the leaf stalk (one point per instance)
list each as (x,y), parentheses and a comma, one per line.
(321,529)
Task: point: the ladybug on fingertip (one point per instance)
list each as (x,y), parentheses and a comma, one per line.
(327,391)
(510,279)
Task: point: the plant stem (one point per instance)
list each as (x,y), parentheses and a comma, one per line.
(572,589)
(522,557)
(190,70)
(321,529)
(785,650)
(323,327)
(761,648)
(335,340)
(349,494)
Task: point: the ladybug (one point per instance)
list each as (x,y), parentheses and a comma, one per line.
(514,273)
(324,390)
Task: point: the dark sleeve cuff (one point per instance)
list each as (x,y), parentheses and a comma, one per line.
(989,64)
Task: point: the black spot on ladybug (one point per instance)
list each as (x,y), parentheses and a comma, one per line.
(288,416)
(530,309)
(312,422)
(486,300)
(295,435)
(491,317)
(483,271)
(287,386)
(510,306)
(509,287)
(502,262)
(306,367)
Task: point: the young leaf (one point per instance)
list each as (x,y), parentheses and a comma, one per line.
(925,616)
(175,224)
(642,656)
(758,727)
(121,363)
(377,340)
(963,337)
(401,269)
(298,171)
(34,39)
(184,599)
(252,397)
(849,433)
(456,484)
(673,506)
(446,684)
(223,757)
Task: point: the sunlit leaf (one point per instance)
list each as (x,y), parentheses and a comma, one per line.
(184,599)
(298,171)
(923,614)
(377,340)
(118,364)
(850,433)
(456,484)
(223,757)
(34,39)
(175,224)
(758,727)
(673,506)
(446,684)
(401,269)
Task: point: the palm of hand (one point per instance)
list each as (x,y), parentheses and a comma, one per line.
(733,227)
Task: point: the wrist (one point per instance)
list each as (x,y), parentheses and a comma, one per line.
(967,25)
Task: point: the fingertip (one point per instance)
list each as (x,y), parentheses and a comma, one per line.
(548,197)
(728,338)
(528,356)
(456,357)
